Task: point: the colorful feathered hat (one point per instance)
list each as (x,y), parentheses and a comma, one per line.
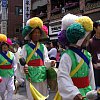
(31,24)
(75,29)
(5,40)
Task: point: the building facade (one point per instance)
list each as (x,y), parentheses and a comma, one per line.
(54,10)
(50,11)
(15,18)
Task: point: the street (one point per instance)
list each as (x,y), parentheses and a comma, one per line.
(21,95)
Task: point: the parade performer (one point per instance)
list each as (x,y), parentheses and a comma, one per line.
(8,66)
(75,73)
(36,57)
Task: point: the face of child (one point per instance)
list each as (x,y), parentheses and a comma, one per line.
(36,34)
(5,47)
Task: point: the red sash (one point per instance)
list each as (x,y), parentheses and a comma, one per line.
(81,82)
(36,63)
(5,66)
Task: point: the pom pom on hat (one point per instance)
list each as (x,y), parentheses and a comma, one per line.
(45,30)
(35,22)
(62,37)
(75,32)
(86,22)
(67,20)
(3,38)
(9,42)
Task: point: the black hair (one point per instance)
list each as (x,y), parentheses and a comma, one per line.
(55,44)
(95,25)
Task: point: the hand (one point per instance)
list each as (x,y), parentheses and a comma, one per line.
(78,97)
(53,62)
(26,69)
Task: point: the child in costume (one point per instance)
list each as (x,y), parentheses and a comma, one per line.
(75,72)
(36,57)
(8,66)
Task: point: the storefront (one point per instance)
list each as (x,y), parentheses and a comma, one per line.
(54,29)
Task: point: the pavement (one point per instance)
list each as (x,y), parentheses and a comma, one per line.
(21,94)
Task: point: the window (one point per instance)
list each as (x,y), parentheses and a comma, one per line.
(17,30)
(18,10)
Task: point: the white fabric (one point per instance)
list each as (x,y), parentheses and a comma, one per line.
(42,86)
(52,53)
(7,84)
(65,85)
(19,72)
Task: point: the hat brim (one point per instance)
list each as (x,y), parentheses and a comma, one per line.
(43,36)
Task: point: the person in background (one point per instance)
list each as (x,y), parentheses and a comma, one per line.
(94,48)
(36,57)
(47,44)
(53,51)
(8,67)
(19,74)
(75,74)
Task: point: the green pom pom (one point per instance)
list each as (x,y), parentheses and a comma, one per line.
(26,31)
(75,32)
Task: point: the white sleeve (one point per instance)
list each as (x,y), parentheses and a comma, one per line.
(47,61)
(91,76)
(14,63)
(66,87)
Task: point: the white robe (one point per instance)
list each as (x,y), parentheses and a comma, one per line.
(65,85)
(41,86)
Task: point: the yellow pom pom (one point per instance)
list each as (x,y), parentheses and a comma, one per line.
(3,38)
(86,22)
(35,22)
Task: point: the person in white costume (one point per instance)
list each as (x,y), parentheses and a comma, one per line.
(73,81)
(37,64)
(19,73)
(8,67)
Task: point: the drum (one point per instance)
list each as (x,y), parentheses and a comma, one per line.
(52,78)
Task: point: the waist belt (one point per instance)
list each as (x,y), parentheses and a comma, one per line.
(36,63)
(81,82)
(5,66)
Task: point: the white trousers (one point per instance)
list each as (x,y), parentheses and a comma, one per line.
(41,87)
(7,84)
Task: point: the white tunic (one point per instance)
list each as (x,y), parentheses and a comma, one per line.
(65,85)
